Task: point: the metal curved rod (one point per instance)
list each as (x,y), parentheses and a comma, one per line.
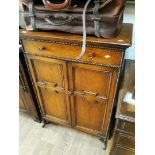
(84,30)
(54,6)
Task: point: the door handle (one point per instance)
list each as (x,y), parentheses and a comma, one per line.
(44,83)
(81,92)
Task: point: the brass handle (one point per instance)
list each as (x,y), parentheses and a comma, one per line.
(41,48)
(84,92)
(81,92)
(90,55)
(45,83)
(91,93)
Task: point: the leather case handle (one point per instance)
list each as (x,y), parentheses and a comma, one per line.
(68,20)
(59,6)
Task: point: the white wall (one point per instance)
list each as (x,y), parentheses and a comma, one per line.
(129,17)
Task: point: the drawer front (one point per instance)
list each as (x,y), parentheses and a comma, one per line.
(125,141)
(126,127)
(121,151)
(92,55)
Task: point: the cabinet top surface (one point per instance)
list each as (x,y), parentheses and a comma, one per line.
(124,39)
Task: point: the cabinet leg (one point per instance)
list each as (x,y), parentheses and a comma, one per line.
(105,143)
(45,122)
(101,139)
(37,120)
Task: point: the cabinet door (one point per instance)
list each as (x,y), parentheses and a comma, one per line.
(92,88)
(49,76)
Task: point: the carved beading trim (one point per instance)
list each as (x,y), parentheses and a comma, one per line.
(73,60)
(72,44)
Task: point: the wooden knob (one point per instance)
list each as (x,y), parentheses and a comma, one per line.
(96,102)
(56,92)
(55,84)
(41,48)
(90,55)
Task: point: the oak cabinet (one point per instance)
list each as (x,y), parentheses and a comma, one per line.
(79,94)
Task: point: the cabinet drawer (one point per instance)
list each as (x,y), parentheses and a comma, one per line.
(126,127)
(92,55)
(125,141)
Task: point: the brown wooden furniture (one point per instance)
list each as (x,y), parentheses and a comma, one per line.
(124,133)
(27,99)
(78,94)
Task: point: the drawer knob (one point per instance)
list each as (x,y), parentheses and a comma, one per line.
(41,48)
(90,55)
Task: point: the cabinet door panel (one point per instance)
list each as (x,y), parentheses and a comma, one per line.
(52,98)
(90,80)
(89,114)
(49,71)
(93,90)
(54,104)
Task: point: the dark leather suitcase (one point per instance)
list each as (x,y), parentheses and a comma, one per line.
(104,21)
(102,18)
